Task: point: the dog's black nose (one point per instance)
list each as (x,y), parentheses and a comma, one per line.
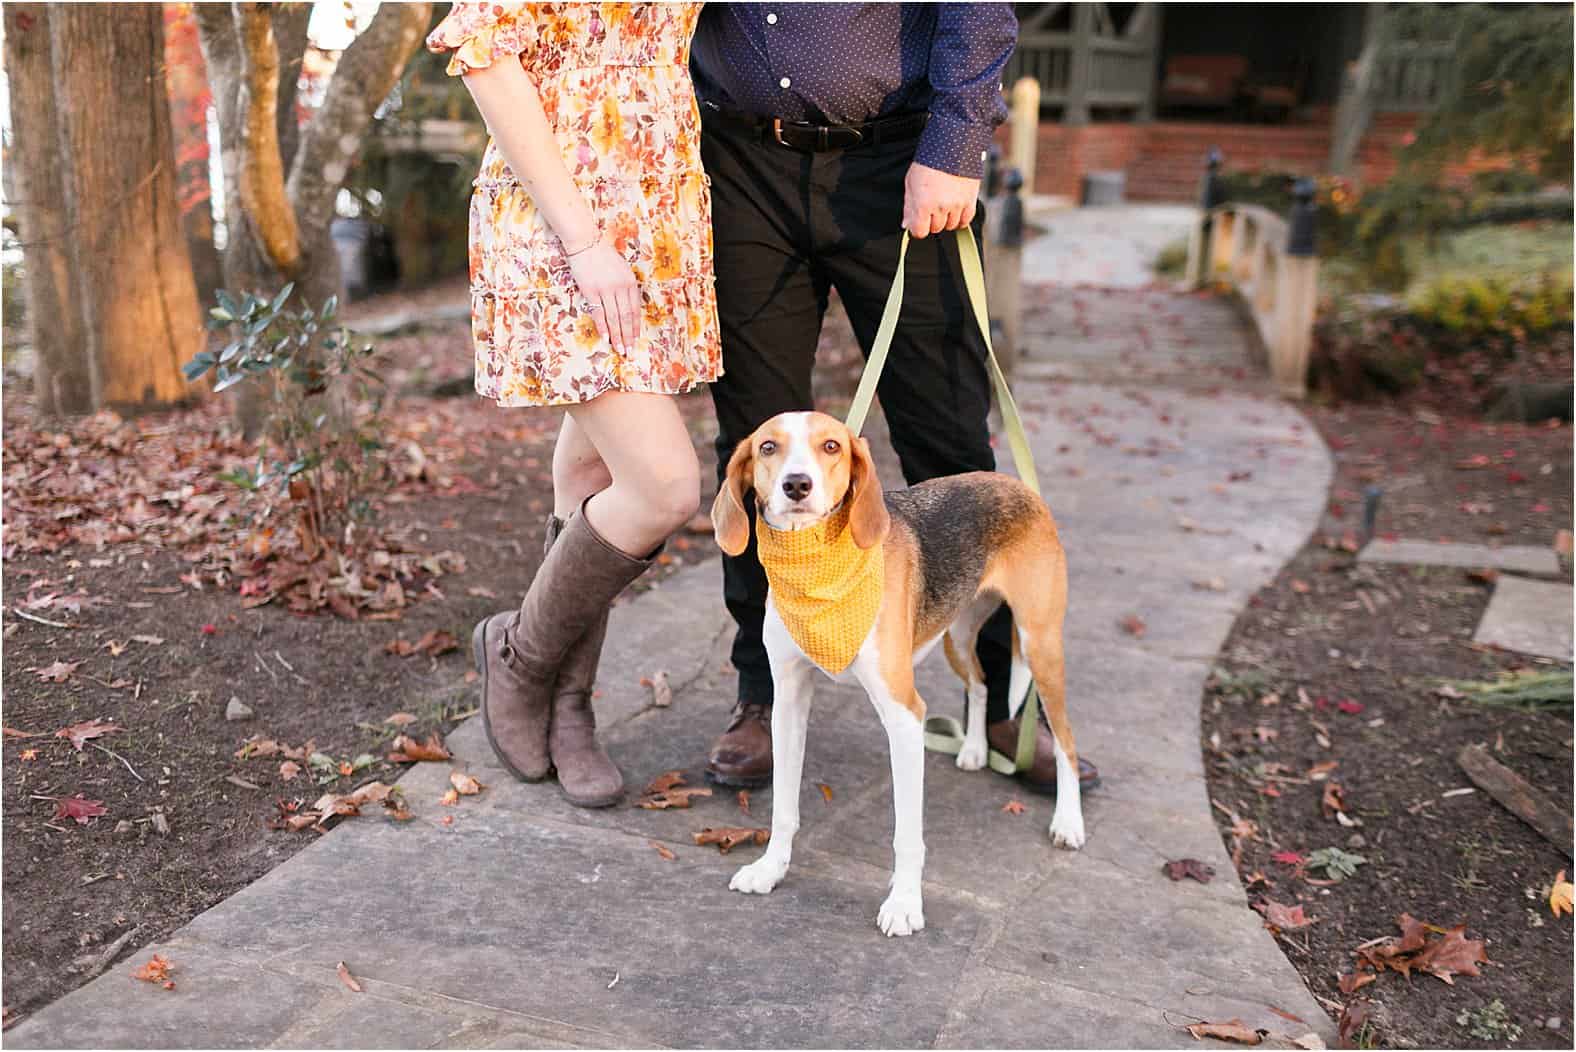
(797,486)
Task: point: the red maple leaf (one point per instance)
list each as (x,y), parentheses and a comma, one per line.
(79,733)
(84,811)
(1288,858)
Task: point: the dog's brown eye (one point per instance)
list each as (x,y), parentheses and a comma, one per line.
(830,445)
(768,448)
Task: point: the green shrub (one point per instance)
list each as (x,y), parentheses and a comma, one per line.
(1506,181)
(1488,303)
(321,452)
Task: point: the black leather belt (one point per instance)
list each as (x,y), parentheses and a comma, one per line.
(817,138)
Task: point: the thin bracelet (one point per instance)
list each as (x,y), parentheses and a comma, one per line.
(594,243)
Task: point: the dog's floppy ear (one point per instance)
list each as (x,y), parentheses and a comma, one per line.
(868,518)
(729,520)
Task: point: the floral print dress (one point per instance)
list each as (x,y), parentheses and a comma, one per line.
(614,82)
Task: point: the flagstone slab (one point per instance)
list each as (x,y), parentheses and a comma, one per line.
(1513,558)
(1529,617)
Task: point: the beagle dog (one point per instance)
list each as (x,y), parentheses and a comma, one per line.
(904,571)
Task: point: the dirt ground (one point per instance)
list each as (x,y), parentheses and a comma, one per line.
(1332,677)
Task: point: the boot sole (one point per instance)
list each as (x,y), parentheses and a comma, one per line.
(596,804)
(479,655)
(738,781)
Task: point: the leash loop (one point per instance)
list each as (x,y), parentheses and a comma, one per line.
(943,733)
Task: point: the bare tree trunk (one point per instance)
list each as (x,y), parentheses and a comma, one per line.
(129,265)
(62,378)
(185,74)
(278,223)
(290,24)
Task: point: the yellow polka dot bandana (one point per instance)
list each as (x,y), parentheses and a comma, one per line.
(825,587)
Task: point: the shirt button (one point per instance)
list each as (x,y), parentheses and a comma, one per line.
(771,20)
(784,82)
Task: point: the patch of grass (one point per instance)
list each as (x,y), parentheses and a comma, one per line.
(1526,689)
(1172,260)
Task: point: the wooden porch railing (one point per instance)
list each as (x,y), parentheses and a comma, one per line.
(1091,65)
(1270,262)
(1411,75)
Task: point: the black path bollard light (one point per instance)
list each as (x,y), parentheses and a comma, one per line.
(1301,228)
(1210,195)
(1011,230)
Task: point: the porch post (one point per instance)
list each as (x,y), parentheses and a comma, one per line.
(1153,14)
(1080,68)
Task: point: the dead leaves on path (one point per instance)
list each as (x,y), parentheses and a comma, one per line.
(408,750)
(156,969)
(729,837)
(1240,1033)
(80,810)
(433,644)
(667,791)
(1189,867)
(1445,958)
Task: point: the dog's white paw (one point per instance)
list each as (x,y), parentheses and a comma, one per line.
(903,913)
(972,756)
(1067,829)
(759,877)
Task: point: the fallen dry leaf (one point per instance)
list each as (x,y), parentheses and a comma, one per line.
(744,801)
(401,719)
(663,850)
(289,769)
(28,755)
(1232,1030)
(348,979)
(661,690)
(826,791)
(1013,807)
(394,807)
(1353,1018)
(1560,894)
(79,809)
(730,837)
(1446,957)
(1134,625)
(676,797)
(1320,771)
(1288,858)
(1284,918)
(58,672)
(464,784)
(79,733)
(408,750)
(156,969)
(1351,982)
(12,732)
(449,798)
(663,782)
(1189,867)
(1332,802)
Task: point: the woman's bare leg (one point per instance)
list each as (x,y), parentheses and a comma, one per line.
(646,448)
(578,470)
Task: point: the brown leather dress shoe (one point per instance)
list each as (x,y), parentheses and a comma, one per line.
(1041,777)
(742,757)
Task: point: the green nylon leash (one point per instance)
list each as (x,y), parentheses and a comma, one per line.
(944,733)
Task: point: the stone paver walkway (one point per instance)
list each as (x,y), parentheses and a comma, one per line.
(529,923)
(1516,558)
(1529,617)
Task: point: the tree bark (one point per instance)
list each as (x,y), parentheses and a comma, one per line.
(290,25)
(129,266)
(190,99)
(62,378)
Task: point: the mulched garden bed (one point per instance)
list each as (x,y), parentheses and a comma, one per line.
(1331,677)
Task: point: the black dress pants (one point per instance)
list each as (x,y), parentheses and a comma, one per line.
(788,226)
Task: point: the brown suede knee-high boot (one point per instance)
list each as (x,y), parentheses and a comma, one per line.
(519,654)
(586,773)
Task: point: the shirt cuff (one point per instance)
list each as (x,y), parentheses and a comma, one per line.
(953,146)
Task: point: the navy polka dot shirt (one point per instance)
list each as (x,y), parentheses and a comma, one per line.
(849,63)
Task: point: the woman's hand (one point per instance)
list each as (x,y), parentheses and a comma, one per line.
(610,292)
